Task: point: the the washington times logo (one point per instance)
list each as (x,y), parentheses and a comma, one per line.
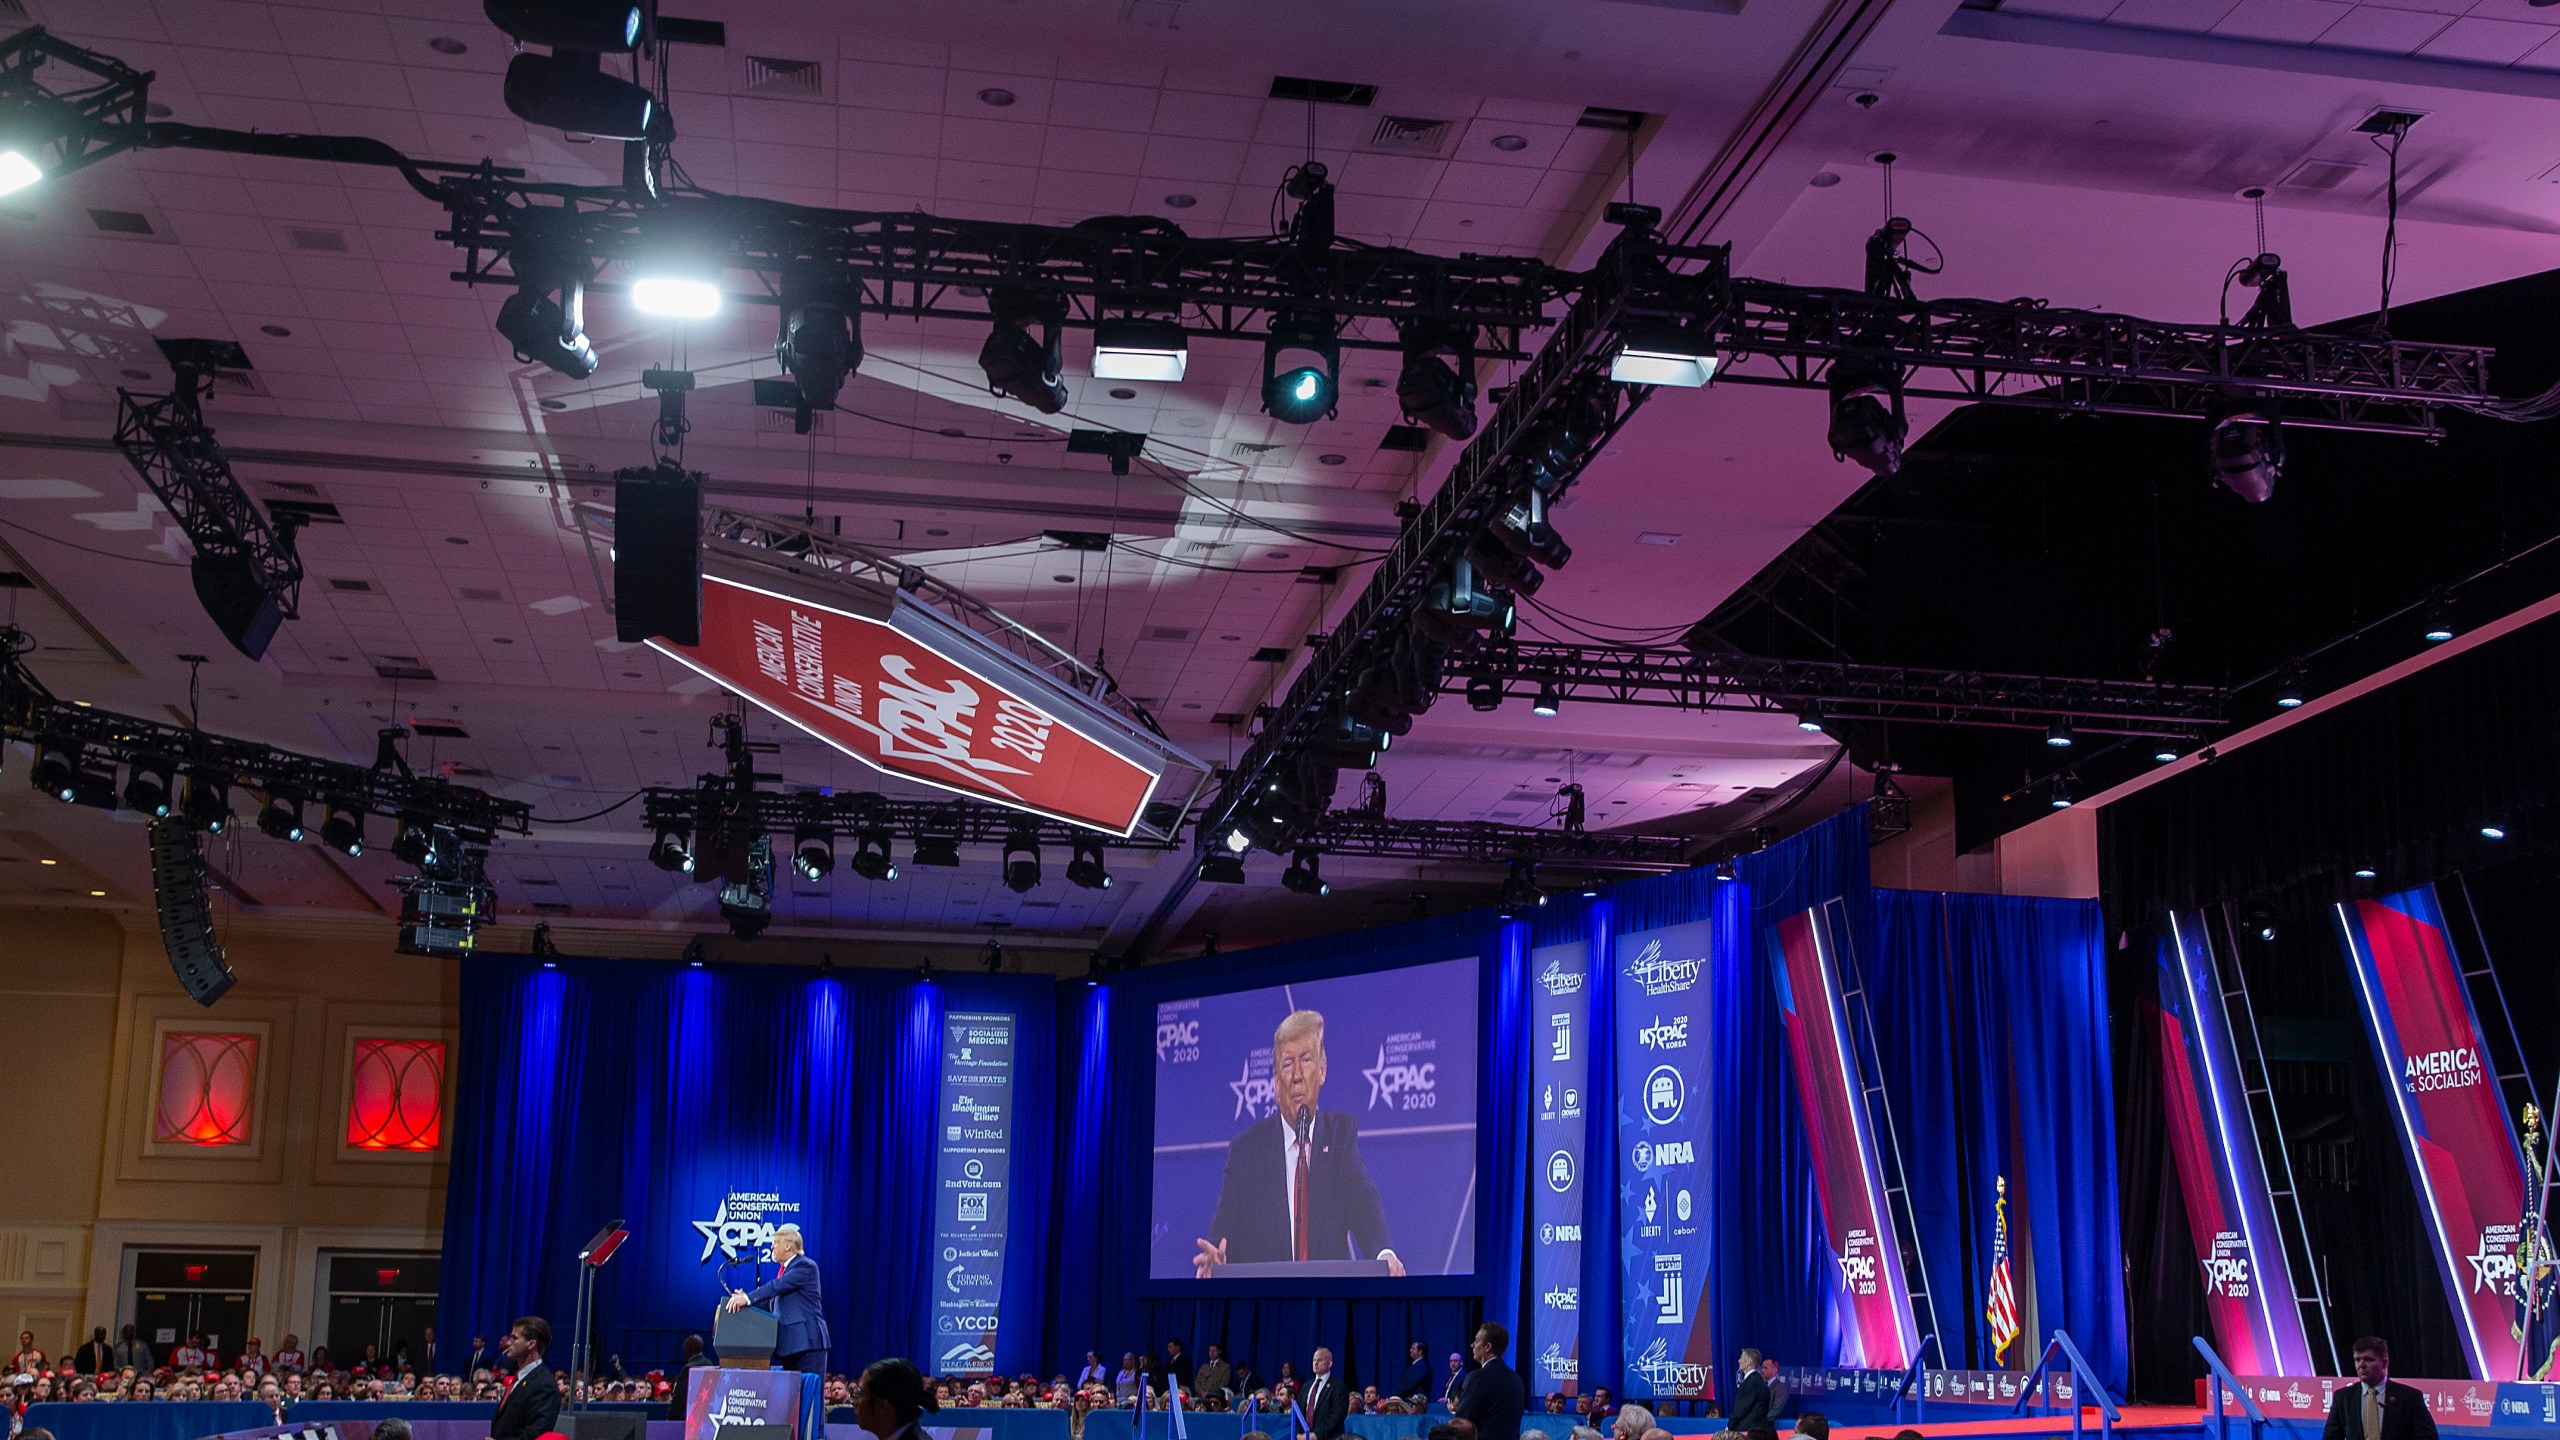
(1660,976)
(1560,981)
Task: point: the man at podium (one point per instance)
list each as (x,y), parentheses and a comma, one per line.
(803,1342)
(1295,1187)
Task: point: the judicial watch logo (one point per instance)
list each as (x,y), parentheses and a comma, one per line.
(742,1226)
(2457,1068)
(1659,975)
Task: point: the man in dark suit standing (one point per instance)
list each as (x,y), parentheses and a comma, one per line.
(2378,1408)
(1416,1385)
(1327,1402)
(1494,1397)
(803,1343)
(1177,1364)
(532,1406)
(1295,1187)
(1750,1396)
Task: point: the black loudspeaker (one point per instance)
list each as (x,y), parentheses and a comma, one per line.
(657,555)
(186,915)
(229,588)
(626,1425)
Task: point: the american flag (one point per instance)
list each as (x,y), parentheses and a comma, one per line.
(2002,1309)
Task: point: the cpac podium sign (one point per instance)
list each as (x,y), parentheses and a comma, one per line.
(886,679)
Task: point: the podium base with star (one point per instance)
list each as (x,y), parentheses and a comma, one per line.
(779,1404)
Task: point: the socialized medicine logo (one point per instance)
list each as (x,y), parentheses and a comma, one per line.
(1665,1093)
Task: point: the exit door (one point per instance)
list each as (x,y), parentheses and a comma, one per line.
(178,1293)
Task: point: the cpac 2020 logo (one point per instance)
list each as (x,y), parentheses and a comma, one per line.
(743,1225)
(1177,1041)
(1400,1081)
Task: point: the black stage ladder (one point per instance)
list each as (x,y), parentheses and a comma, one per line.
(1871,1093)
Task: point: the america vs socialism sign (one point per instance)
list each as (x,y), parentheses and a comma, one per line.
(887,696)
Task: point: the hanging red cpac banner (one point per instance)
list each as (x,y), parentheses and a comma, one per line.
(901,691)
(2463,1158)
(1876,1327)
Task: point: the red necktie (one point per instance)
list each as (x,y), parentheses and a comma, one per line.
(1306,1228)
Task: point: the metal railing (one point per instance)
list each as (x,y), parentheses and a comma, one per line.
(2084,1385)
(2223,1380)
(1911,1385)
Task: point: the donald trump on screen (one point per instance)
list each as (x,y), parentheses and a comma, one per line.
(1295,1187)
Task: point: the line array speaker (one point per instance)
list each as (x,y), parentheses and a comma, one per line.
(186,914)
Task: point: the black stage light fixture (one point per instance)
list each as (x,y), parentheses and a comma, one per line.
(747,904)
(1302,877)
(939,852)
(2058,734)
(2246,449)
(1550,700)
(1520,892)
(1301,369)
(1867,422)
(595,26)
(1021,863)
(657,554)
(186,912)
(549,332)
(57,771)
(568,90)
(871,856)
(1018,364)
(342,829)
(1810,719)
(2292,688)
(414,841)
(2065,791)
(1437,384)
(813,852)
(1223,869)
(1086,871)
(2440,626)
(672,850)
(281,818)
(1484,692)
(206,803)
(820,343)
(150,789)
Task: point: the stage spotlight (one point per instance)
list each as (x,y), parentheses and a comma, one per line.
(1093,971)
(549,332)
(1021,863)
(1550,699)
(414,841)
(1520,892)
(569,91)
(994,958)
(2290,690)
(2246,450)
(18,170)
(871,856)
(1867,423)
(672,850)
(2058,734)
(2164,752)
(820,344)
(1140,350)
(747,904)
(1086,870)
(2366,872)
(57,771)
(1437,385)
(2439,623)
(1301,363)
(1018,364)
(1809,720)
(281,818)
(2064,792)
(1661,353)
(813,852)
(676,289)
(1302,876)
(1238,842)
(940,852)
(1484,692)
(149,791)
(597,26)
(1223,869)
(2493,832)
(206,803)
(342,829)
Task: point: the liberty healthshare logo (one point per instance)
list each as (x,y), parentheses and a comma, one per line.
(1667,1376)
(2454,1069)
(1660,976)
(1555,1364)
(743,1224)
(1560,981)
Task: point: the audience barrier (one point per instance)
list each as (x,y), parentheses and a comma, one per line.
(151,1419)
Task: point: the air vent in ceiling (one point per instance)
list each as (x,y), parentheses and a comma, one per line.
(784,422)
(296,488)
(677,31)
(1271,654)
(1322,92)
(2320,175)
(328,242)
(530,880)
(14,12)
(770,75)
(481,592)
(310,512)
(1167,632)
(1603,117)
(1317,575)
(352,587)
(551,907)
(1405,437)
(121,222)
(1407,135)
(439,727)
(401,667)
(1227,717)
(1251,450)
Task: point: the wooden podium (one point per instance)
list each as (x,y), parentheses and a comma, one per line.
(744,1339)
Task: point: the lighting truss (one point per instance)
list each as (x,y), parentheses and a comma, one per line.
(1677,679)
(1349,832)
(29,712)
(176,453)
(73,127)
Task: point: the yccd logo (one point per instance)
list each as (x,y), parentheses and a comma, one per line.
(1177,1040)
(1671,1034)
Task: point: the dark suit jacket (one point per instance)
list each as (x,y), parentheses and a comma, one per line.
(1178,1369)
(1326,1410)
(1416,1384)
(532,1406)
(2404,1414)
(1342,1201)
(1493,1399)
(796,1304)
(1750,1403)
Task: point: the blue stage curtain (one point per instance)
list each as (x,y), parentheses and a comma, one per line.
(1603,1319)
(1103,1298)
(592,1090)
(1991,1027)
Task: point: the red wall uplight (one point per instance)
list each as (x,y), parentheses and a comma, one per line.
(395,1095)
(208,1085)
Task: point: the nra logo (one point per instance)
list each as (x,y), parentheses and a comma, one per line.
(1663,1152)
(1550,1234)
(1671,1034)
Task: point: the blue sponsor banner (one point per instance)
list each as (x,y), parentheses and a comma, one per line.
(1663,982)
(973,1141)
(1559,1064)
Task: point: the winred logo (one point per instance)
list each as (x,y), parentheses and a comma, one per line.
(888,699)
